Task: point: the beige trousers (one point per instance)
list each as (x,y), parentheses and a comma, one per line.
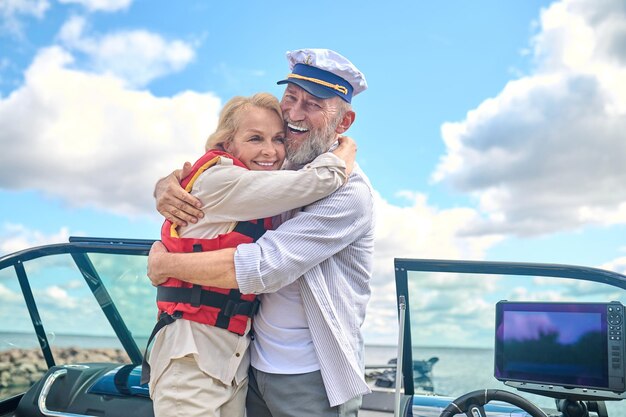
(184,390)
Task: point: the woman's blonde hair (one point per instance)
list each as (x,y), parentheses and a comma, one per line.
(230,117)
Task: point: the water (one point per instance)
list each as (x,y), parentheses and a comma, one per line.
(11,340)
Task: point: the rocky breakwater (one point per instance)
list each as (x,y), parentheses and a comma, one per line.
(24,367)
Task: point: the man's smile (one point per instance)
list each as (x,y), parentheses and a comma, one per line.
(296,129)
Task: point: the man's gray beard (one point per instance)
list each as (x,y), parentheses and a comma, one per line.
(318,142)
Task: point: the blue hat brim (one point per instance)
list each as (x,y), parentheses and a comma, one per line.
(312,88)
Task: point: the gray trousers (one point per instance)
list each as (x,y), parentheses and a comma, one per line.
(299,395)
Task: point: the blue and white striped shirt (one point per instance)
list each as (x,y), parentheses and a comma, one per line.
(329,246)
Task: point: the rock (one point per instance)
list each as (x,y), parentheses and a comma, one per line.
(24,367)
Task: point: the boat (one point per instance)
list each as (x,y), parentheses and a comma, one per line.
(385,375)
(76,317)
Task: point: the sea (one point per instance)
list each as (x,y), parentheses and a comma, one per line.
(458,371)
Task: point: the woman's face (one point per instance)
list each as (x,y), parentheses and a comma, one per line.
(259,141)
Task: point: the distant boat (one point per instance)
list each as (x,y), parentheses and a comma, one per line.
(385,376)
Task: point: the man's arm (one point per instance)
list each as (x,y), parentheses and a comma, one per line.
(315,234)
(173,202)
(214,268)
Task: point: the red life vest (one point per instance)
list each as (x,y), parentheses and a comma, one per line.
(224,308)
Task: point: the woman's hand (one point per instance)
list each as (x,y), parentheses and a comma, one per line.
(346,151)
(173,202)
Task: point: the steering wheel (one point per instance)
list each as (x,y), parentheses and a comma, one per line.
(472,403)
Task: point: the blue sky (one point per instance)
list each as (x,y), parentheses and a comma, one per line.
(490,130)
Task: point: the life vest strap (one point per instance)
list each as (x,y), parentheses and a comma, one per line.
(229,304)
(164,320)
(253,230)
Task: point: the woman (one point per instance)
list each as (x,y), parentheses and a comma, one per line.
(199,360)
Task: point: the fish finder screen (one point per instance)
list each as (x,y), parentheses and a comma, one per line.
(554,344)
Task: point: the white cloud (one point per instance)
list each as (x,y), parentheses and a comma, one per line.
(616,265)
(417,231)
(59,296)
(9,296)
(101,5)
(15,237)
(547,154)
(136,56)
(93,142)
(525,294)
(35,8)
(423,231)
(11,12)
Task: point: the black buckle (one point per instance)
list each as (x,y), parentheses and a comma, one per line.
(246,308)
(196,296)
(256,304)
(169,318)
(230,308)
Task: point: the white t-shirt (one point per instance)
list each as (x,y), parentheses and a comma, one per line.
(282,313)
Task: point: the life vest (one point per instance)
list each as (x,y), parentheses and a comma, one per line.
(225,308)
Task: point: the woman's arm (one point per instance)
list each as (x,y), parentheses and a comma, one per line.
(231,193)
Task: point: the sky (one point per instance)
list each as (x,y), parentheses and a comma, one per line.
(490,130)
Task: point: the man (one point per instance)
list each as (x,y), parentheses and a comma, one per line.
(313,271)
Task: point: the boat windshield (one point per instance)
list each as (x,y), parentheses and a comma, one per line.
(450,318)
(87,301)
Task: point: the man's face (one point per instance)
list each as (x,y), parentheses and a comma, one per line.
(311,123)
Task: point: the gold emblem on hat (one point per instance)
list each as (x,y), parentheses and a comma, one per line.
(308,60)
(337,87)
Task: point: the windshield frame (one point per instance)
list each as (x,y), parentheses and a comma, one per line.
(403,266)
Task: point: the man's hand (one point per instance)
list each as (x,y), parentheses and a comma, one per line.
(346,151)
(157,252)
(173,202)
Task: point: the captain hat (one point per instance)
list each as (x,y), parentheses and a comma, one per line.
(324,74)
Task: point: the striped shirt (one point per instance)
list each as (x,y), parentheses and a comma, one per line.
(328,247)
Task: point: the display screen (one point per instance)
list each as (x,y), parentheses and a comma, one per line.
(552,343)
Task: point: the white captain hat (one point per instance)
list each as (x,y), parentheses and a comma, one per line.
(324,74)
